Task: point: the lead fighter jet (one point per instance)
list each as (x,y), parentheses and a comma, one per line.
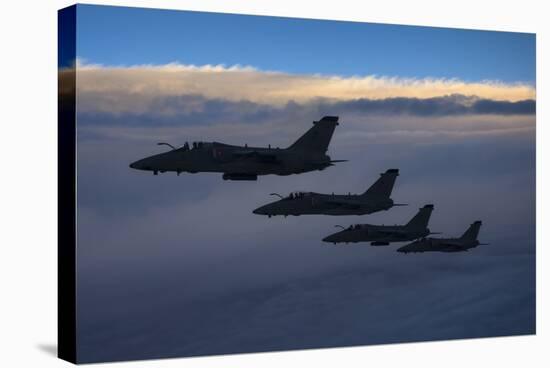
(467,241)
(416,228)
(308,153)
(376,198)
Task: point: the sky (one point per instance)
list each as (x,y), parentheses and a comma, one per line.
(133,36)
(179,266)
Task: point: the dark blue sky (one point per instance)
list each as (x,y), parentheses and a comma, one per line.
(127,36)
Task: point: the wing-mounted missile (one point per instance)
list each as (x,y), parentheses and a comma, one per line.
(241,177)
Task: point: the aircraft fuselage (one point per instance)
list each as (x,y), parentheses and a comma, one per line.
(376,234)
(449,245)
(307,153)
(238,163)
(310,203)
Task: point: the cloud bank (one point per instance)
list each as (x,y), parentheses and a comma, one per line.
(138,89)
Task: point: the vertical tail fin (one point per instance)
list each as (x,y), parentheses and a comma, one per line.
(471,233)
(421,219)
(318,137)
(383,187)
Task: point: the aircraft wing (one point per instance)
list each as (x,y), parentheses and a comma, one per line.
(256,155)
(342,203)
(390,232)
(453,246)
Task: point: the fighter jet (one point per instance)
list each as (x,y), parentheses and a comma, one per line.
(416,228)
(376,198)
(467,241)
(308,153)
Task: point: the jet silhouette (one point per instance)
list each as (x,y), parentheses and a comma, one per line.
(467,241)
(416,228)
(308,153)
(376,198)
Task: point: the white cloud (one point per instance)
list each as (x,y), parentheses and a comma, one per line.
(136,89)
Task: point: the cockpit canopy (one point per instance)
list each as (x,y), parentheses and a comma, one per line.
(193,145)
(297,195)
(198,145)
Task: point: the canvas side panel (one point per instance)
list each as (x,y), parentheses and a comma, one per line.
(66,251)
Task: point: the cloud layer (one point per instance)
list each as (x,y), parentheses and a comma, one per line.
(138,89)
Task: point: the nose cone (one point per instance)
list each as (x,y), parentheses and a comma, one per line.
(334,238)
(270,209)
(407,248)
(139,165)
(263,210)
(136,165)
